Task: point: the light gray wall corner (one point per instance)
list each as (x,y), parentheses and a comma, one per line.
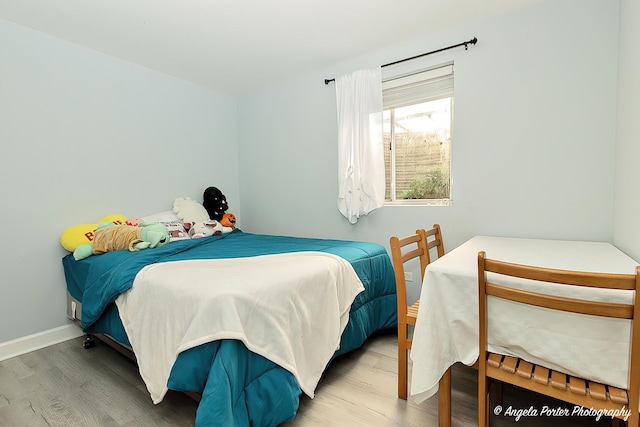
(627,172)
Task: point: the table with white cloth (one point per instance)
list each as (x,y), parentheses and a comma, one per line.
(446,331)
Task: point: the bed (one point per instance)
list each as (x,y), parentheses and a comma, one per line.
(236,386)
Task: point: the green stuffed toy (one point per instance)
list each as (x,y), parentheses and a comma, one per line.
(109,237)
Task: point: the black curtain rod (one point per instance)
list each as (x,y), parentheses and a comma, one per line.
(465,44)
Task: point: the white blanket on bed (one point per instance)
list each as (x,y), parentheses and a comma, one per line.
(289,308)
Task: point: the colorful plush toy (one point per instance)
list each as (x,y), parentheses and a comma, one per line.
(134,221)
(228,220)
(189,211)
(109,237)
(205,228)
(81,234)
(215,203)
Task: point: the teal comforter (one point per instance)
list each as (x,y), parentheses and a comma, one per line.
(238,387)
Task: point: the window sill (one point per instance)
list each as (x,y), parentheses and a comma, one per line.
(420,202)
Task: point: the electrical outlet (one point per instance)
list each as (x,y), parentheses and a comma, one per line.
(408,276)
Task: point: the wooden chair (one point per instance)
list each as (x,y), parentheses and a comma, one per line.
(537,378)
(405,249)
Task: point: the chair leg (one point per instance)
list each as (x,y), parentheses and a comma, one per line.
(498,391)
(634,419)
(483,401)
(402,361)
(444,399)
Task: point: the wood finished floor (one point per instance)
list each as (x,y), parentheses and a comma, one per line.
(66,385)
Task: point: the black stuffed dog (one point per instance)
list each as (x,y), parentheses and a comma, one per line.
(215,203)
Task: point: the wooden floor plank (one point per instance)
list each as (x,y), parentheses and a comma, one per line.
(65,385)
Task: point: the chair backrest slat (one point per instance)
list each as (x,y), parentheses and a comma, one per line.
(592,308)
(568,277)
(433,237)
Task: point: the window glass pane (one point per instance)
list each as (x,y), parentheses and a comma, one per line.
(419,160)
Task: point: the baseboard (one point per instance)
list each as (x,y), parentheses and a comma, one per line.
(39,340)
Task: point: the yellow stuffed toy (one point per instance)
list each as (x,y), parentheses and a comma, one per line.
(81,234)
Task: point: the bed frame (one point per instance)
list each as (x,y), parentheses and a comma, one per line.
(74,312)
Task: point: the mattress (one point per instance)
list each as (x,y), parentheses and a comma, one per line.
(238,387)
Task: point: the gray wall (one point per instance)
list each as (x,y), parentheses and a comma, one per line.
(83,135)
(627,176)
(533,138)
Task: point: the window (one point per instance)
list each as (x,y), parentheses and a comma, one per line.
(418,113)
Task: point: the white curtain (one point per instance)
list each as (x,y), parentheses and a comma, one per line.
(360,146)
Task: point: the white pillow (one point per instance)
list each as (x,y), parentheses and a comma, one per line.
(175,226)
(165,216)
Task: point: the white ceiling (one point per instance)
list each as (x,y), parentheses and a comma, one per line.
(239,46)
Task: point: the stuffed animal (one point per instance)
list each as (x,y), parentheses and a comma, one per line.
(109,237)
(228,220)
(204,229)
(134,221)
(215,203)
(208,228)
(189,211)
(80,234)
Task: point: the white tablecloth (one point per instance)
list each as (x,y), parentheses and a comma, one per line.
(446,331)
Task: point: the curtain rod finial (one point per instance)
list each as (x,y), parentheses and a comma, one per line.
(472,41)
